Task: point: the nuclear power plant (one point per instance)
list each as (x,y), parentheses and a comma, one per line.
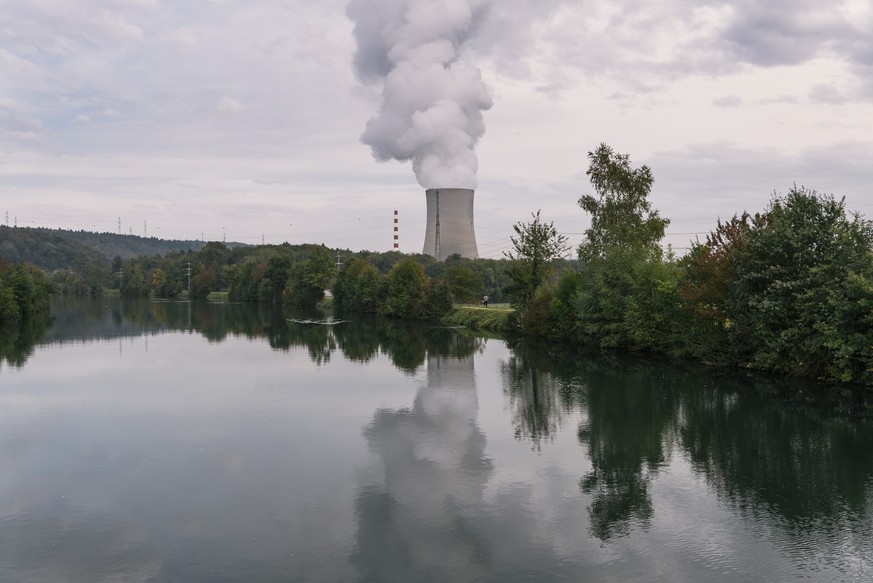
(450,223)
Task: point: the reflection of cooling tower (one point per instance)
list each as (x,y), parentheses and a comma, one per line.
(450,223)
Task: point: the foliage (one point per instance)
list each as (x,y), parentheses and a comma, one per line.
(25,292)
(563,315)
(629,300)
(707,291)
(627,295)
(309,279)
(47,249)
(804,298)
(621,217)
(357,286)
(437,301)
(465,284)
(404,289)
(272,284)
(535,319)
(534,248)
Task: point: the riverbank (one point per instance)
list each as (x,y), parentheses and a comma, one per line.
(493,319)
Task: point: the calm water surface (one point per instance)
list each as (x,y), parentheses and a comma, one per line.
(148,441)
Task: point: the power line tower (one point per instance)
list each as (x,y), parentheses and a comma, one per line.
(339,263)
(119,225)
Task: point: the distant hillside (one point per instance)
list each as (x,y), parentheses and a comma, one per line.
(46,249)
(127,246)
(53,249)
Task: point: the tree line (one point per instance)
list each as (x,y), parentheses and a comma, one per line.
(787,290)
(394,284)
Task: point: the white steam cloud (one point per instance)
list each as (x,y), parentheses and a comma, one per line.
(432,103)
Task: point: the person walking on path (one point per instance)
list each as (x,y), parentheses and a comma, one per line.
(485,300)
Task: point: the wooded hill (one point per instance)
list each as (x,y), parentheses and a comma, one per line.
(53,249)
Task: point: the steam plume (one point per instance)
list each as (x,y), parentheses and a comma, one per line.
(432,104)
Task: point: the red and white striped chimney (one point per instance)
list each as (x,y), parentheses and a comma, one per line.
(396,231)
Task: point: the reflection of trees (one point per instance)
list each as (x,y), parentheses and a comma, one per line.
(407,344)
(542,387)
(804,456)
(416,526)
(534,400)
(801,452)
(630,415)
(17,342)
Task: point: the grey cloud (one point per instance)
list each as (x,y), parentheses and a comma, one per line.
(728,101)
(828,94)
(784,33)
(636,41)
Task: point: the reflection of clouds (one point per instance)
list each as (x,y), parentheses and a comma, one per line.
(80,546)
(435,472)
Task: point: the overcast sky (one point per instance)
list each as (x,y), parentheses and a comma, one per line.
(237,119)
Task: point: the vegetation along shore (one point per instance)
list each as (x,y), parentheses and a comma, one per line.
(788,289)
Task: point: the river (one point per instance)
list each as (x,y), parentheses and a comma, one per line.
(171,441)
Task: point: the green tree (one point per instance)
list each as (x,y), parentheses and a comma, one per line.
(804,297)
(621,215)
(534,247)
(201,284)
(272,285)
(437,301)
(464,283)
(708,289)
(404,291)
(628,295)
(135,282)
(159,282)
(357,287)
(310,278)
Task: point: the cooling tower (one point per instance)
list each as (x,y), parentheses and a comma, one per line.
(450,223)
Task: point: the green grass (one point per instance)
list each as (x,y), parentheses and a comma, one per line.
(477,317)
(217,296)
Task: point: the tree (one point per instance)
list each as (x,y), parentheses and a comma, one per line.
(464,283)
(405,287)
(272,285)
(310,278)
(803,302)
(622,216)
(357,286)
(628,295)
(708,287)
(135,282)
(437,301)
(534,247)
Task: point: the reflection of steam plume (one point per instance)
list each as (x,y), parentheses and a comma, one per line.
(431,104)
(416,526)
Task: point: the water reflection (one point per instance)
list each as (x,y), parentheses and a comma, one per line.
(416,523)
(631,418)
(360,340)
(326,464)
(797,452)
(17,342)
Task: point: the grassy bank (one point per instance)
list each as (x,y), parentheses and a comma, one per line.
(492,319)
